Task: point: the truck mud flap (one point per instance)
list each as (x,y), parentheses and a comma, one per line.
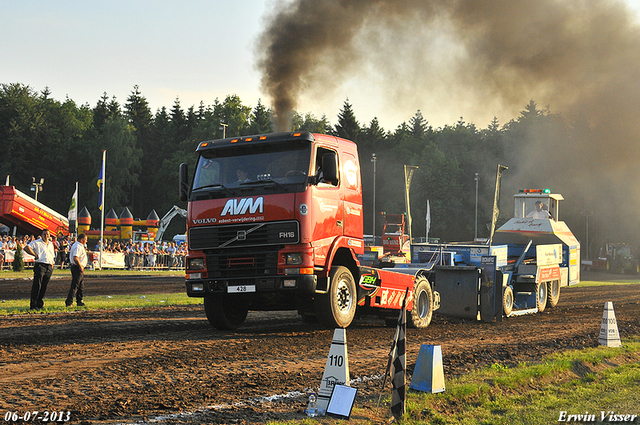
(459,288)
(491,293)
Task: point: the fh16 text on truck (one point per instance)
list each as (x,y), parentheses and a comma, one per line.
(275,223)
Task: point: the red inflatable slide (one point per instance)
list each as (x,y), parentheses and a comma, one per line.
(29,215)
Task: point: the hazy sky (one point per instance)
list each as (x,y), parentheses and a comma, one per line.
(194,50)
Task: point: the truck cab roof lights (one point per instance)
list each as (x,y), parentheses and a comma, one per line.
(546,191)
(272,137)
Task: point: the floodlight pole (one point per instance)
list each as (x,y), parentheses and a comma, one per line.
(476,228)
(373,225)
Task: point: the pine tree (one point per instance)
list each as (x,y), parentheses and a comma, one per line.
(372,138)
(419,127)
(178,123)
(260,119)
(494,125)
(191,121)
(139,115)
(347,127)
(105,110)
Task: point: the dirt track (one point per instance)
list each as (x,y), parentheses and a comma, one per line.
(140,364)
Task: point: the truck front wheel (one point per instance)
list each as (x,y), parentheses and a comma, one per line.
(337,308)
(422,310)
(225,312)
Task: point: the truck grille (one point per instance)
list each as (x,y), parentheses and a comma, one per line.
(244,235)
(242,263)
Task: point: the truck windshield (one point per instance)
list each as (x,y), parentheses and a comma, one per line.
(281,166)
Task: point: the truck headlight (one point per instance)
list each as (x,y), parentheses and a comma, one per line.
(195,264)
(293,258)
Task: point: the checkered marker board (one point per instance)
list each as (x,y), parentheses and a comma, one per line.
(398,365)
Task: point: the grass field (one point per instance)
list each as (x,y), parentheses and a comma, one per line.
(96,302)
(593,380)
(582,386)
(108,302)
(595,385)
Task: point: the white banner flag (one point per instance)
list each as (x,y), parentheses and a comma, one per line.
(73,209)
(428,221)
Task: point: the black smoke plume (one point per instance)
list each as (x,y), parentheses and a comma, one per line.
(580,58)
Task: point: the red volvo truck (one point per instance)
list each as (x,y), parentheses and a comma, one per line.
(275,223)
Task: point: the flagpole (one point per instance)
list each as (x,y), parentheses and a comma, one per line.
(76,212)
(428,221)
(72,215)
(104,187)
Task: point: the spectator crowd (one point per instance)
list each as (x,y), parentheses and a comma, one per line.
(147,254)
(151,255)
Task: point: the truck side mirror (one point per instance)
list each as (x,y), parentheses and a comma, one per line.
(330,168)
(184,182)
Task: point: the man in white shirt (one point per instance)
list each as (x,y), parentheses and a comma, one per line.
(44,254)
(78,261)
(539,211)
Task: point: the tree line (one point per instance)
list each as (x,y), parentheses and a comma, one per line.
(62,142)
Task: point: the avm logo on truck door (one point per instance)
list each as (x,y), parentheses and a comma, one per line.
(243,205)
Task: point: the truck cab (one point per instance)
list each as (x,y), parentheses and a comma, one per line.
(527,199)
(270,217)
(274,222)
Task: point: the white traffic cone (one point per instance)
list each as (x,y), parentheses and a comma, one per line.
(609,336)
(428,376)
(336,371)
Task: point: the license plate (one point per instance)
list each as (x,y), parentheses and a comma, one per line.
(241,289)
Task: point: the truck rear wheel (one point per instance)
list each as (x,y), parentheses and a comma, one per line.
(507,300)
(553,293)
(422,311)
(225,312)
(541,296)
(337,308)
